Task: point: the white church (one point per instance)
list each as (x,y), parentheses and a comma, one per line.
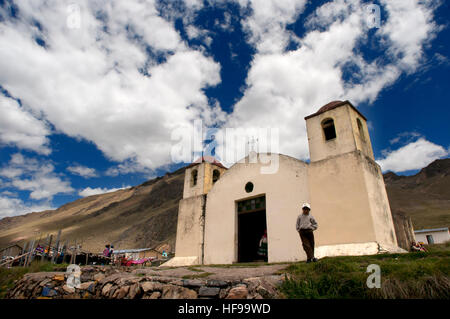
(224,212)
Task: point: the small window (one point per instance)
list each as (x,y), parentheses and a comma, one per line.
(194,177)
(216,175)
(361,129)
(249,187)
(328,129)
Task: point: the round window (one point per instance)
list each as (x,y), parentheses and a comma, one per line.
(249,187)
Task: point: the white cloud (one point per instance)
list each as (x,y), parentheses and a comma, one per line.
(129,167)
(10,207)
(87,81)
(82,171)
(20,128)
(28,174)
(96,191)
(267,24)
(412,156)
(282,87)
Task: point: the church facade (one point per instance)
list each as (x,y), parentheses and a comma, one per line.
(224,212)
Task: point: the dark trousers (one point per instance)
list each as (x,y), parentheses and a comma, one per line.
(307,237)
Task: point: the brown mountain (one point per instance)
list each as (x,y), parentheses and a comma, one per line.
(137,217)
(146,215)
(425,197)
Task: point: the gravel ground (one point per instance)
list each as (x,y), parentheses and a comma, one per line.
(216,272)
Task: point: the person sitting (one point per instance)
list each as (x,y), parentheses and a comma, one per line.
(415,246)
(422,247)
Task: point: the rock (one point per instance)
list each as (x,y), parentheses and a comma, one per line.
(121,292)
(112,291)
(44,282)
(276,280)
(106,289)
(134,291)
(177,282)
(161,279)
(59,278)
(223,293)
(208,291)
(151,285)
(155,295)
(86,277)
(91,288)
(86,295)
(68,289)
(216,283)
(252,283)
(239,292)
(267,290)
(177,292)
(192,283)
(99,276)
(85,285)
(48,292)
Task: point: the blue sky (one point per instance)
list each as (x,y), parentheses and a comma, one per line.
(91,92)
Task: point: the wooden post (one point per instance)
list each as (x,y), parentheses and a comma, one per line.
(71,254)
(25,262)
(30,255)
(50,246)
(64,249)
(55,253)
(44,247)
(22,260)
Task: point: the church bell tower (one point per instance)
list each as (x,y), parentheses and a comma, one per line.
(346,184)
(200,177)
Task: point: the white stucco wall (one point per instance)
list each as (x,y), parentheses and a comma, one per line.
(285,191)
(439,237)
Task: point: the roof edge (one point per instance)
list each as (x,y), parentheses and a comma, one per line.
(431,230)
(336,106)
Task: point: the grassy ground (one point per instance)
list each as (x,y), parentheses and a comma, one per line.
(412,275)
(9,275)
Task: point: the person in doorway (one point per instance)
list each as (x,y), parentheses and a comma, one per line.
(262,250)
(306,225)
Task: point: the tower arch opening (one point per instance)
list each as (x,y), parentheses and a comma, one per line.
(194,175)
(329,131)
(215,176)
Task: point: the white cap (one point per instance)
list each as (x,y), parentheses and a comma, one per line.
(306,205)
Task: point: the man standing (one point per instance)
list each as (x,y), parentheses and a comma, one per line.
(306,224)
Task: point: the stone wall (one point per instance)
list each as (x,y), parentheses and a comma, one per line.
(109,283)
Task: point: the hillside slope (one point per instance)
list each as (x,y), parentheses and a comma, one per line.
(141,216)
(425,197)
(146,215)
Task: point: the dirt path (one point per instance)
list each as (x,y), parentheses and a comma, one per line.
(229,273)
